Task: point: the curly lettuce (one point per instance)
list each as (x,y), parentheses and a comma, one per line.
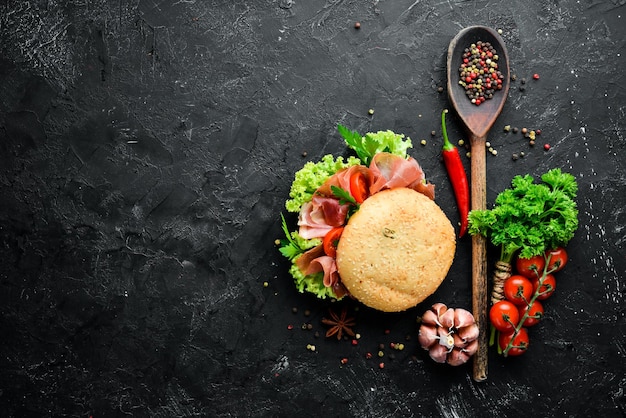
(310,177)
(373,143)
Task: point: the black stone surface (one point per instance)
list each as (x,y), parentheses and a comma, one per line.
(147,149)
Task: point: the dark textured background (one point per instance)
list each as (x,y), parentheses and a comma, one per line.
(147,149)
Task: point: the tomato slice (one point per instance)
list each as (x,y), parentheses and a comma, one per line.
(359,187)
(329,243)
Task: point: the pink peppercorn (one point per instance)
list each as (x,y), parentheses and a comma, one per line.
(535,76)
(546,147)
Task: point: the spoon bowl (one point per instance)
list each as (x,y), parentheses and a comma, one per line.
(478,120)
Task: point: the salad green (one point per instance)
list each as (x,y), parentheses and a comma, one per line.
(313,175)
(372,143)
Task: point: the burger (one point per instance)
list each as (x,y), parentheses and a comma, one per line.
(368,227)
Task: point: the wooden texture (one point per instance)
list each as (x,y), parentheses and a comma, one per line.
(478,121)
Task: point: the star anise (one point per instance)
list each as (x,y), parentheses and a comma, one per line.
(339,324)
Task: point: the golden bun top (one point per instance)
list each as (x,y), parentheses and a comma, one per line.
(395,250)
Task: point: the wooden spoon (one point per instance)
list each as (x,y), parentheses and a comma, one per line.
(478,121)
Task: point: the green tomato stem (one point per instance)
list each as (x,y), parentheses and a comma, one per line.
(536,294)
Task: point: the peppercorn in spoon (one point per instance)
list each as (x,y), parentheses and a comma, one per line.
(478,84)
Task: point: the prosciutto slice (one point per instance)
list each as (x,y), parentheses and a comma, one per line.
(390,171)
(305,259)
(326,264)
(320,215)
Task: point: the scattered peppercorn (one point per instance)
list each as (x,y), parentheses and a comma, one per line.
(515,130)
(304,153)
(433,133)
(522,88)
(368,355)
(265,284)
(531,143)
(523,81)
(514,157)
(531,135)
(461,142)
(538,131)
(546,147)
(440,89)
(357,25)
(423,142)
(524,131)
(381,365)
(513,77)
(381,353)
(294,310)
(507,128)
(535,76)
(344,360)
(370,112)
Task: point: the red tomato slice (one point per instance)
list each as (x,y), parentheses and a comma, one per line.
(359,187)
(329,243)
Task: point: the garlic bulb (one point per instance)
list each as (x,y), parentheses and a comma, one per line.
(449,335)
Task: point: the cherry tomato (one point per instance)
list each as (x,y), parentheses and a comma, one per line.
(535,313)
(547,288)
(519,344)
(504,316)
(518,289)
(359,188)
(530,267)
(558,259)
(329,243)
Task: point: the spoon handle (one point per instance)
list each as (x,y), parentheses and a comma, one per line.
(479,254)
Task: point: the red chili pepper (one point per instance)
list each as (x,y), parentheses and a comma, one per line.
(456,173)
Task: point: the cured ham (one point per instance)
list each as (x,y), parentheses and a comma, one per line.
(390,171)
(320,215)
(328,266)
